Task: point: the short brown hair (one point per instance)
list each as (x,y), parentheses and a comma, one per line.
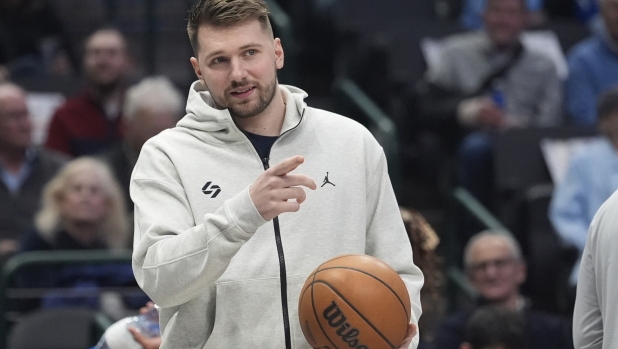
(225,13)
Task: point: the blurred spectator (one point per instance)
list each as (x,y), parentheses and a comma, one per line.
(492,327)
(488,81)
(424,242)
(591,179)
(595,317)
(91,122)
(24,170)
(495,267)
(150,107)
(593,68)
(472,13)
(124,334)
(83,209)
(32,40)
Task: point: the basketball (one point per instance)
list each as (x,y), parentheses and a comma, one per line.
(354,301)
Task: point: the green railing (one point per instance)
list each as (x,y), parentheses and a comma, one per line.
(17,263)
(347,92)
(477,210)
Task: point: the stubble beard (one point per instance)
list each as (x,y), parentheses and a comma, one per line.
(253,108)
(104,88)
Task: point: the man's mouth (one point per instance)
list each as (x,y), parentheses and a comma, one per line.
(242,91)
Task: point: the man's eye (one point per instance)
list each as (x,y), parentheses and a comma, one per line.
(218,60)
(251,53)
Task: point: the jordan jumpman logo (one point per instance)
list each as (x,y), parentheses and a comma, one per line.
(327,181)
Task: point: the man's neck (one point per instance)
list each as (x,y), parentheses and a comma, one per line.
(105,94)
(270,121)
(506,48)
(513,302)
(12,159)
(611,41)
(614,141)
(85,233)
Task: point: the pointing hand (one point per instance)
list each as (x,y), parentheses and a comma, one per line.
(274,188)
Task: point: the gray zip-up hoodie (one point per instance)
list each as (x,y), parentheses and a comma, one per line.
(204,253)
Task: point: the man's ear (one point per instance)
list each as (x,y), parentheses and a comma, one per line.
(198,71)
(279,55)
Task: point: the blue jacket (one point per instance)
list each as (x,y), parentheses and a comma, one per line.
(593,69)
(591,179)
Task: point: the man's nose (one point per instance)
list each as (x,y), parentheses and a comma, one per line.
(491,270)
(237,70)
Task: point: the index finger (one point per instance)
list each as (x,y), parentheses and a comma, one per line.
(287,165)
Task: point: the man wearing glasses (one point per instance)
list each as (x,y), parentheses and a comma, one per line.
(495,268)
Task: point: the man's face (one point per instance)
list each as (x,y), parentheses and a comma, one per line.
(493,270)
(146,124)
(609,11)
(239,66)
(504,21)
(106,61)
(15,125)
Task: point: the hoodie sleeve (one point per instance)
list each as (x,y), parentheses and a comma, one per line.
(173,258)
(387,238)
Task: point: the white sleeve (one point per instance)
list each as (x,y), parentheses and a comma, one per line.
(387,238)
(587,319)
(173,258)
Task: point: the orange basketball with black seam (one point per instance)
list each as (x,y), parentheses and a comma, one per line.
(354,301)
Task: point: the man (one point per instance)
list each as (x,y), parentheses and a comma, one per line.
(24,170)
(496,83)
(150,107)
(495,268)
(593,68)
(91,122)
(494,327)
(591,179)
(205,191)
(595,317)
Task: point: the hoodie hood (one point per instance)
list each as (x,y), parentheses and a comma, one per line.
(203,116)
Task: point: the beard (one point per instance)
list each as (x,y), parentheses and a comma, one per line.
(249,109)
(104,87)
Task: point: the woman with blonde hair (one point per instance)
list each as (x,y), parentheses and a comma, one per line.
(83,209)
(85,203)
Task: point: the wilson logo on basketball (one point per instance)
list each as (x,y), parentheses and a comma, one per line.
(335,318)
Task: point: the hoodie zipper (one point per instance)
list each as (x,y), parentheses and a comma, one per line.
(282,274)
(282,270)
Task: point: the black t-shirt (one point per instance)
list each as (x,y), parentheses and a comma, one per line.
(261,143)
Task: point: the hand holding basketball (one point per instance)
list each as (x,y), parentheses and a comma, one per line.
(408,340)
(273,188)
(355,301)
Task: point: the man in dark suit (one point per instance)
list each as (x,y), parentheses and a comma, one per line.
(24,169)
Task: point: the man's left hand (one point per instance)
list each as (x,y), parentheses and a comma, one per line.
(408,339)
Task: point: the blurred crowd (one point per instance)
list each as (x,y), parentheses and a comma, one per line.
(71,191)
